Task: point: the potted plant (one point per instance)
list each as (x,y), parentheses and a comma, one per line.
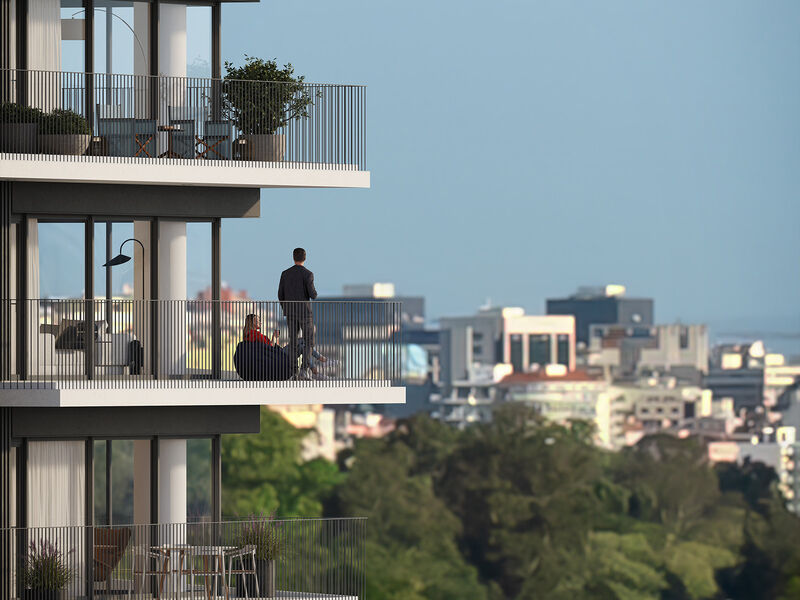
(18,127)
(45,573)
(263,533)
(64,131)
(259,99)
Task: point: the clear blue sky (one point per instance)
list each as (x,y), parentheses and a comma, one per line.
(521,148)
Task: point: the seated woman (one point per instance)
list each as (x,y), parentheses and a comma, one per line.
(256,357)
(251,332)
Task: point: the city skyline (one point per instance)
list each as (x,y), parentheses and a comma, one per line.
(641,144)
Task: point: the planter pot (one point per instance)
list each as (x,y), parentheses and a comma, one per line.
(265,572)
(65,143)
(43,594)
(266,147)
(18,137)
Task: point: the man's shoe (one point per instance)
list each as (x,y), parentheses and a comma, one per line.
(304,375)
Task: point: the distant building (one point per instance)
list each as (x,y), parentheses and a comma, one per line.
(505,336)
(412,307)
(420,347)
(681,350)
(661,402)
(602,305)
(566,396)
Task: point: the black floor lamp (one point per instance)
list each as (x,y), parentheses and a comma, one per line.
(123,258)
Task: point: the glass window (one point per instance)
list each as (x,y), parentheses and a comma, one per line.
(539,350)
(516,352)
(198,479)
(198,41)
(61,260)
(121,36)
(563,349)
(73,36)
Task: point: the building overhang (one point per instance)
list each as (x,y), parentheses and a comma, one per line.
(207,173)
(188,394)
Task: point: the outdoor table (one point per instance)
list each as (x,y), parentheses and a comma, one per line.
(170,129)
(213,563)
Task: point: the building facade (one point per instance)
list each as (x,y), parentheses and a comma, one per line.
(104,129)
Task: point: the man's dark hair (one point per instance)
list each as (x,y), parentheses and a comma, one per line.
(299,255)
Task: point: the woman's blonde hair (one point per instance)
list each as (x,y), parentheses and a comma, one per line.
(249,325)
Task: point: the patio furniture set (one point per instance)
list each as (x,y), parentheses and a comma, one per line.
(175,565)
(137,138)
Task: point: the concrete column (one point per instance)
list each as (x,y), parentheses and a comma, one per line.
(172,481)
(553,349)
(172,259)
(172,286)
(141,482)
(172,40)
(172,63)
(141,505)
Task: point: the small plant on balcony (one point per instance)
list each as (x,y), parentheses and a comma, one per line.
(63,131)
(46,571)
(64,122)
(18,127)
(259,99)
(264,534)
(11,112)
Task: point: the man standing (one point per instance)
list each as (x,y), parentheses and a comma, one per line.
(294,292)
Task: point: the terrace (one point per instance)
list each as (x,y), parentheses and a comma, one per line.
(111,128)
(184,352)
(320,559)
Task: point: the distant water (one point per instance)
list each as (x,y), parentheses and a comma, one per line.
(779,334)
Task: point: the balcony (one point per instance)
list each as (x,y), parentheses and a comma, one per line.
(105,128)
(191,352)
(319,559)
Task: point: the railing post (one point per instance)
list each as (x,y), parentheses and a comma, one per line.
(89,296)
(216,306)
(89,515)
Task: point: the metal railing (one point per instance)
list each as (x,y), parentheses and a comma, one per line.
(302,559)
(197,343)
(182,120)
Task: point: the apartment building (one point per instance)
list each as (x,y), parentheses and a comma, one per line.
(681,350)
(562,396)
(597,305)
(505,335)
(103,128)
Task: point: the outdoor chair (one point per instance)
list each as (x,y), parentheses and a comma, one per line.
(215,143)
(118,135)
(144,137)
(183,138)
(109,546)
(244,570)
(146,563)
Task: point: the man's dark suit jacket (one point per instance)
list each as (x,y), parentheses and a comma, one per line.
(297,285)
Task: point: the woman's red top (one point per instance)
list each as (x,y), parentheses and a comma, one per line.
(256,336)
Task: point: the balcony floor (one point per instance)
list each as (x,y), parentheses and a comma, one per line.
(211,173)
(203,393)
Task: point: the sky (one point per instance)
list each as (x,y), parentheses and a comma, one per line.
(519,149)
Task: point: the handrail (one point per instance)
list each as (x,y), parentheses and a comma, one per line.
(182,120)
(357,343)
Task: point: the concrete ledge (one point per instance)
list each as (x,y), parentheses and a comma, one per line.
(98,169)
(239,394)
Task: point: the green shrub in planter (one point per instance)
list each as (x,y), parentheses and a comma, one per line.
(260,97)
(63,122)
(11,112)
